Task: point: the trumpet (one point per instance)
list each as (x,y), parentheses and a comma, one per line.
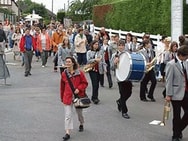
(166,113)
(89,67)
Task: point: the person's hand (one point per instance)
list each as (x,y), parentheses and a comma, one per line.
(98,59)
(76,91)
(116,60)
(168,98)
(63,65)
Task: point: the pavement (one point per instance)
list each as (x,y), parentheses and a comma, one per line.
(30,110)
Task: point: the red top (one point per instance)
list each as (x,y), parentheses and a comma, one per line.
(22,43)
(79,82)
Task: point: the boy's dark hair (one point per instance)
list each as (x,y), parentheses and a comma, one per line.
(183,50)
(121,42)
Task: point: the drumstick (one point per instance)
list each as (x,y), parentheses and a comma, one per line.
(117,56)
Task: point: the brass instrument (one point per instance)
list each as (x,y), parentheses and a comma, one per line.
(165,113)
(89,67)
(151,65)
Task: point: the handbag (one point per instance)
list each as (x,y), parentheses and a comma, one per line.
(78,102)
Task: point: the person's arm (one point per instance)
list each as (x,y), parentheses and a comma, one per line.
(62,86)
(83,83)
(169,81)
(4,36)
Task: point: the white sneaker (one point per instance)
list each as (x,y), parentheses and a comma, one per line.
(43,66)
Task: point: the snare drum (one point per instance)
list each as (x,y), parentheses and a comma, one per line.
(131,67)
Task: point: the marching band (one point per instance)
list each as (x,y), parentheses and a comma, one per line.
(129,60)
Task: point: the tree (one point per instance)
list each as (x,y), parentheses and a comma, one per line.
(27,6)
(82,9)
(60,16)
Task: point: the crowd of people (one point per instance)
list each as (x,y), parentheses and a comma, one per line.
(78,49)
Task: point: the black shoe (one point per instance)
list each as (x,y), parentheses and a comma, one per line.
(110,86)
(26,74)
(96,101)
(29,73)
(81,128)
(152,99)
(66,137)
(118,105)
(125,115)
(181,136)
(175,139)
(144,99)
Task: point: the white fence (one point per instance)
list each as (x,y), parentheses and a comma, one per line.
(122,34)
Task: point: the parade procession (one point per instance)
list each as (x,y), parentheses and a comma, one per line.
(85,81)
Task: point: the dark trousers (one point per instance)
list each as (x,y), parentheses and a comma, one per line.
(28,55)
(44,57)
(179,123)
(108,73)
(94,76)
(55,60)
(125,90)
(82,60)
(150,76)
(37,53)
(101,79)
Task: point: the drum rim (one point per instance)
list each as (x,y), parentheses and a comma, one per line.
(131,62)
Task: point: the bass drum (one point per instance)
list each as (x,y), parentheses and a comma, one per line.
(131,67)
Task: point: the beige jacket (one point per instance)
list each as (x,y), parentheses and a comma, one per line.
(80,44)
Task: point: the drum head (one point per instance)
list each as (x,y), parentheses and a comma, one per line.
(123,68)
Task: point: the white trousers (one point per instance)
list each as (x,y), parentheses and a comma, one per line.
(69,116)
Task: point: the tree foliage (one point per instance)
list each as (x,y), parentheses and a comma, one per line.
(60,16)
(79,11)
(27,6)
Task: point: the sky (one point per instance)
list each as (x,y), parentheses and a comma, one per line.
(57,4)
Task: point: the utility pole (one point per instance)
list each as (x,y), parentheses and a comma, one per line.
(52,6)
(19,13)
(68,5)
(176,19)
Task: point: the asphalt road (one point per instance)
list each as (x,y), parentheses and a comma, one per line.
(30,110)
